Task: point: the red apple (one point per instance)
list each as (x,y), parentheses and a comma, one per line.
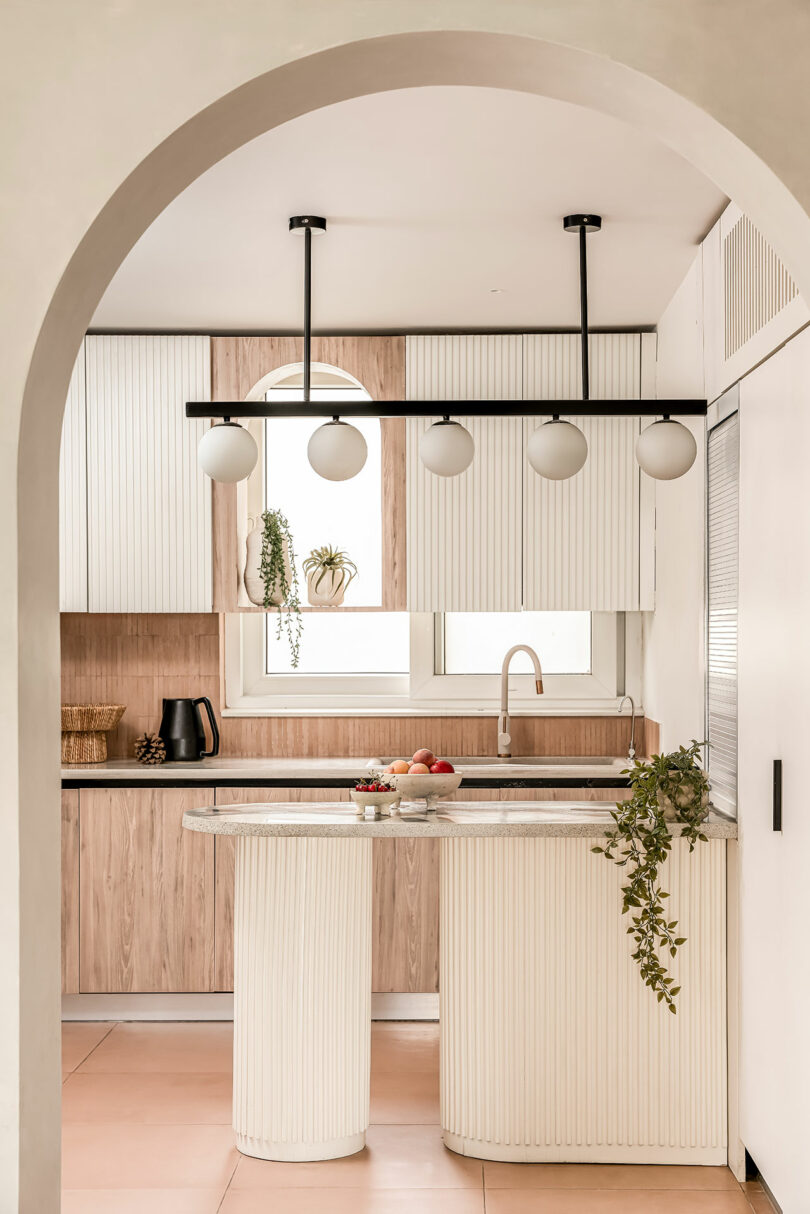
(441,767)
(418,769)
(424,756)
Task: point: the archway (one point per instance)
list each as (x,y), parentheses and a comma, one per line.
(29,666)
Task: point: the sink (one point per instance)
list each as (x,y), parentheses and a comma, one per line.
(535,761)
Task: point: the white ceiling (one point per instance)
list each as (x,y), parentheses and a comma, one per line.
(433,198)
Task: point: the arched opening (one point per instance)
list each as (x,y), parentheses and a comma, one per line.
(355,68)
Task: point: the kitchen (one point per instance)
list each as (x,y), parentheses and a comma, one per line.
(166,597)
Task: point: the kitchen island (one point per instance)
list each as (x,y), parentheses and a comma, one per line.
(552,1048)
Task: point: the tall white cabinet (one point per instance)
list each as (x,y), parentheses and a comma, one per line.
(135,507)
(501,538)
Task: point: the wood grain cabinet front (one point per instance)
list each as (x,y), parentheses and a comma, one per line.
(70,892)
(146,892)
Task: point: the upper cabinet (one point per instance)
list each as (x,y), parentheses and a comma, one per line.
(136,509)
(501,538)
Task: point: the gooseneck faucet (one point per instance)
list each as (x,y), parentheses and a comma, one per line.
(504,736)
(631,750)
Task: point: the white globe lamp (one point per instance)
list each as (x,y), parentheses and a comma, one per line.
(666,450)
(446,448)
(227,452)
(557,450)
(337,451)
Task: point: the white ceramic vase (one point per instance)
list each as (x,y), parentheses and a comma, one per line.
(329,592)
(254,582)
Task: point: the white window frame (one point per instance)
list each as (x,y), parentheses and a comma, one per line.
(615,668)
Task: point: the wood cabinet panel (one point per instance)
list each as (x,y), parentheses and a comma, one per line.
(146,893)
(70,892)
(405,909)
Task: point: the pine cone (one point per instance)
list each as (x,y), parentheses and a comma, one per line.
(150,749)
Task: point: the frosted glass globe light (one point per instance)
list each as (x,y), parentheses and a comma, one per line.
(666,450)
(227,452)
(446,448)
(557,450)
(337,451)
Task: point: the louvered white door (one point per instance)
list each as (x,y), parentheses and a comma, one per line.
(582,537)
(464,532)
(73,496)
(149,505)
(723,494)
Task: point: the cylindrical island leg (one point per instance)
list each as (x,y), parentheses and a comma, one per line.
(552,1047)
(302,996)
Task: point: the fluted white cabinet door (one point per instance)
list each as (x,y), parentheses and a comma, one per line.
(464,532)
(582,537)
(73,496)
(149,504)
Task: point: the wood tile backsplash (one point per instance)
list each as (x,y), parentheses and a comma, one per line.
(138,659)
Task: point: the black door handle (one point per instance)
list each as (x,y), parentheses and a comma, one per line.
(777,794)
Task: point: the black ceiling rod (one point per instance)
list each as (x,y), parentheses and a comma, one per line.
(306,224)
(583,224)
(686,407)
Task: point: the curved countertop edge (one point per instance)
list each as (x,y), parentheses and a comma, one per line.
(456,819)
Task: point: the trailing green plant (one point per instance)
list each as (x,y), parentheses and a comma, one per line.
(273,569)
(668,787)
(331,560)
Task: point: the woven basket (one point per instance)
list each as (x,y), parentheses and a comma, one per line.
(84,729)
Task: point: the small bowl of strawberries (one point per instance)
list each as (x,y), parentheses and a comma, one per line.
(377,793)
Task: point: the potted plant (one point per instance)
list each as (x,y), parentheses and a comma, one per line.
(271,579)
(667,788)
(329,573)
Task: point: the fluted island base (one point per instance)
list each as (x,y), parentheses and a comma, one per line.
(302,996)
(552,1048)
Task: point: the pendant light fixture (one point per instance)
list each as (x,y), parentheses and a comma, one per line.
(666,449)
(557,450)
(447,448)
(336,450)
(227,452)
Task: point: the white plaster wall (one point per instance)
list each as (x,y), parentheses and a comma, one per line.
(673,634)
(107,119)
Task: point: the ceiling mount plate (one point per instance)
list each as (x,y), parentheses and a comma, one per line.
(307,223)
(590,222)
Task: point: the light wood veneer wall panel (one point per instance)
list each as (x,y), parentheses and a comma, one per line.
(239,363)
(70,892)
(146,892)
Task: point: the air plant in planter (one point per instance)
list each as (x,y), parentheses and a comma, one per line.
(271,579)
(329,573)
(668,788)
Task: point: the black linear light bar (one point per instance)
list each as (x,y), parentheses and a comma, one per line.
(438,408)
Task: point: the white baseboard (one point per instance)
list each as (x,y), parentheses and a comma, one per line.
(396,1006)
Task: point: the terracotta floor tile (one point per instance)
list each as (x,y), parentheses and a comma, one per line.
(398,1097)
(758,1199)
(184,1098)
(162,1047)
(617,1201)
(353,1201)
(605,1176)
(80,1038)
(108,1156)
(141,1201)
(396,1157)
(398,1046)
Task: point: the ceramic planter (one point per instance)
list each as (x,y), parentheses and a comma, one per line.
(254,582)
(329,592)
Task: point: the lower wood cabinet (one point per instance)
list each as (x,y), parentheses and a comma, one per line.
(405,928)
(70,892)
(146,892)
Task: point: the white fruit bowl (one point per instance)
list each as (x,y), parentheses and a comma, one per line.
(429,788)
(380,802)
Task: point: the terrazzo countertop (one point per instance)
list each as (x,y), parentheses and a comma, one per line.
(340,771)
(334,819)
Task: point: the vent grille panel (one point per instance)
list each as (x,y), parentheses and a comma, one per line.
(756,284)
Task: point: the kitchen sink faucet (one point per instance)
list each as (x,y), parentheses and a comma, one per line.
(504,736)
(631,749)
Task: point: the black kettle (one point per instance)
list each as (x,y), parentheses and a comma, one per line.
(181,728)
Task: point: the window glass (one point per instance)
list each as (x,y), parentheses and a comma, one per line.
(475,642)
(344,642)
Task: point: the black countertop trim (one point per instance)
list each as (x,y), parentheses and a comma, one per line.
(616,781)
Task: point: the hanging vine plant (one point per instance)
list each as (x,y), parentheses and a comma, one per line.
(280,577)
(668,788)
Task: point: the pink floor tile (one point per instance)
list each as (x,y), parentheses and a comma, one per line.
(183,1098)
(162,1047)
(80,1038)
(113,1156)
